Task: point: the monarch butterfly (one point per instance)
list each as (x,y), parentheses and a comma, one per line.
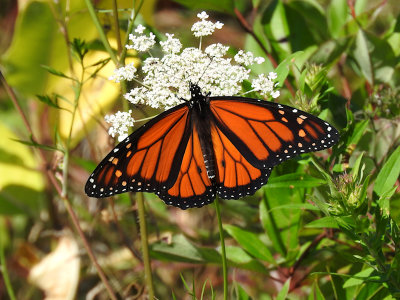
(208,146)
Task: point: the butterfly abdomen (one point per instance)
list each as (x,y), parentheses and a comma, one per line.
(202,122)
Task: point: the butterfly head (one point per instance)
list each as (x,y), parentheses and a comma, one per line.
(195,91)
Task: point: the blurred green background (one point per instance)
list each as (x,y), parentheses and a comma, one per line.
(326,225)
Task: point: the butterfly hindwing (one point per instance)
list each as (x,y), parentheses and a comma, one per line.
(193,188)
(146,160)
(235,176)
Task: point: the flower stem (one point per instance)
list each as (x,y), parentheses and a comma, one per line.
(223,252)
(145,247)
(3,270)
(100,30)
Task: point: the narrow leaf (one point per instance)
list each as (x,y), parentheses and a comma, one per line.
(362,56)
(324,222)
(295,180)
(55,72)
(358,278)
(47,100)
(37,145)
(284,291)
(388,174)
(250,242)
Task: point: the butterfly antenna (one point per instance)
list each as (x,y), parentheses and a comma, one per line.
(205,69)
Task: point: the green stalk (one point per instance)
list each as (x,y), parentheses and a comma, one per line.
(100,30)
(131,23)
(4,271)
(223,252)
(145,247)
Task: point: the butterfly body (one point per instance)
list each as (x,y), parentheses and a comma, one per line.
(208,146)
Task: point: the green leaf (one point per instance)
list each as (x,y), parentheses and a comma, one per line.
(316,293)
(356,167)
(241,293)
(324,222)
(358,132)
(282,70)
(270,226)
(275,25)
(384,201)
(48,100)
(55,72)
(179,250)
(358,278)
(250,242)
(389,173)
(239,258)
(300,206)
(37,145)
(362,56)
(337,17)
(203,289)
(284,291)
(294,180)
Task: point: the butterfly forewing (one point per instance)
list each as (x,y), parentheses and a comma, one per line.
(266,133)
(146,160)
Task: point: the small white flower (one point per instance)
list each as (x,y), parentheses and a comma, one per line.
(140,29)
(216,50)
(203,15)
(204,27)
(264,85)
(141,43)
(124,73)
(275,94)
(272,75)
(120,123)
(171,45)
(259,60)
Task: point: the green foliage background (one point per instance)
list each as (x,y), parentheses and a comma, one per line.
(324,227)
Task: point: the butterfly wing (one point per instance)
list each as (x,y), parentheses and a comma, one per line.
(147,159)
(251,136)
(193,187)
(235,176)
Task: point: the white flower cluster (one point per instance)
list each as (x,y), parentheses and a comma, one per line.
(205,27)
(120,124)
(141,42)
(166,79)
(124,73)
(265,85)
(247,58)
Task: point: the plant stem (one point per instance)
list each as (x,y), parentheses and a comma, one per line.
(100,30)
(4,271)
(116,25)
(131,23)
(145,247)
(223,252)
